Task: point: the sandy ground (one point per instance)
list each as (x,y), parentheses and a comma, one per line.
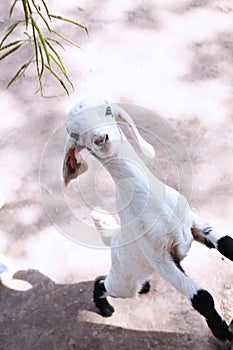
(175,59)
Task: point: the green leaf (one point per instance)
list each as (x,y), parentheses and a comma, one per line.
(11,44)
(58,78)
(25,9)
(45,53)
(41,71)
(12,8)
(54,51)
(59,63)
(61,66)
(10,51)
(35,47)
(70,21)
(56,42)
(10,30)
(38,48)
(40,14)
(19,73)
(66,39)
(29,36)
(46,8)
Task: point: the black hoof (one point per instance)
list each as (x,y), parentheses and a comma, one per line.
(100,300)
(225,247)
(230,330)
(231,325)
(203,302)
(221,332)
(105,309)
(145,288)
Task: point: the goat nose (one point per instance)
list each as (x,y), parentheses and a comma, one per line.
(101,139)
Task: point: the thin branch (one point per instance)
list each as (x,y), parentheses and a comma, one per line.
(42,39)
(42,68)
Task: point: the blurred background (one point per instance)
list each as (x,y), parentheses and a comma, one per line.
(171,57)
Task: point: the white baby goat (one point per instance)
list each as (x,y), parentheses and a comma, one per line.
(157,225)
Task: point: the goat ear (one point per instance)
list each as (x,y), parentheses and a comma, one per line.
(122,116)
(73,164)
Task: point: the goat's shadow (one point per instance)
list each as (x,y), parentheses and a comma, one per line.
(46,317)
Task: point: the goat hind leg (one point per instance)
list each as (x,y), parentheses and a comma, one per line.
(201,300)
(223,243)
(206,234)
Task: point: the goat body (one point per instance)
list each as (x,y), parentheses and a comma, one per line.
(157,226)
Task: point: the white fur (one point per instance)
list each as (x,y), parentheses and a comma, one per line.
(156,220)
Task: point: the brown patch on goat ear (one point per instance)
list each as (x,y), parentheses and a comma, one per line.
(73,166)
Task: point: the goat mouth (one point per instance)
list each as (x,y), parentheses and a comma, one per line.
(104,151)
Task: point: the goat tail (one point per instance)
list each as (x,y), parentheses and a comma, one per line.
(206,234)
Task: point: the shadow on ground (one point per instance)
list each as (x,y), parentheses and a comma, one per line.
(35,320)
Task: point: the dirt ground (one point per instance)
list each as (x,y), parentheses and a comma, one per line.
(175,59)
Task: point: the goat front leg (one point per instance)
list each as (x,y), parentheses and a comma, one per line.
(201,300)
(145,288)
(100,300)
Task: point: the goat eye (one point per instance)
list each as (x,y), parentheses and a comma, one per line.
(108,111)
(75,136)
